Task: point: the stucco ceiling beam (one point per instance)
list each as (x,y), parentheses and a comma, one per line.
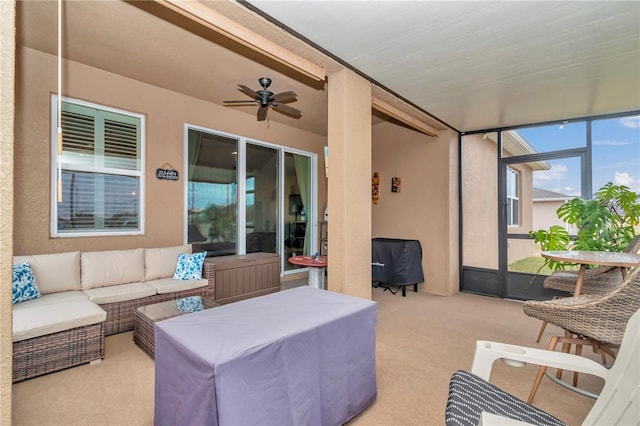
(204,15)
(403,117)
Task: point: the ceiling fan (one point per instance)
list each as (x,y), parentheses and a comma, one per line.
(265,99)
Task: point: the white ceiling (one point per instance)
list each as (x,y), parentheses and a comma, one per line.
(473,65)
(484,64)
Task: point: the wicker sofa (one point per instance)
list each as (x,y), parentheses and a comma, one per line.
(86,296)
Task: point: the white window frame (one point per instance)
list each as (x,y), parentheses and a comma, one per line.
(513,220)
(140,173)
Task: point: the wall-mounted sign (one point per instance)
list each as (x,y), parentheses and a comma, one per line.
(395,184)
(166,174)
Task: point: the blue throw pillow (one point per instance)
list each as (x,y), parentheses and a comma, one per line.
(189,266)
(24,283)
(190,304)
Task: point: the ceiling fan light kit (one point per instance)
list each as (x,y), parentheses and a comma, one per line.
(267,99)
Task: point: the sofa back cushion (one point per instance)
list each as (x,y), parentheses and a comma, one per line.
(105,268)
(161,262)
(54,272)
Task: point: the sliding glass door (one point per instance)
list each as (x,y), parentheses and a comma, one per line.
(246,196)
(261,201)
(297,192)
(211,193)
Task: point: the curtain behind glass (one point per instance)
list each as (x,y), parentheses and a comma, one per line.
(302,165)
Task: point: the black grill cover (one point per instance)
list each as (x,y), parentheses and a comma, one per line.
(402,261)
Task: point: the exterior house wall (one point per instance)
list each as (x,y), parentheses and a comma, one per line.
(544,214)
(519,249)
(166,113)
(480,201)
(426,208)
(480,198)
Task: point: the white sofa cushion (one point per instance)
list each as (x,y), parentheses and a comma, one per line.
(54,272)
(161,262)
(119,293)
(50,318)
(47,299)
(169,285)
(106,268)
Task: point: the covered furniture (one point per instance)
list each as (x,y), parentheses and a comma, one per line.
(396,262)
(298,357)
(472,398)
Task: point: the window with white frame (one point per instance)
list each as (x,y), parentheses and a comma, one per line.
(99,172)
(513,197)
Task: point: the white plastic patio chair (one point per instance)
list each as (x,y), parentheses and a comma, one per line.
(473,400)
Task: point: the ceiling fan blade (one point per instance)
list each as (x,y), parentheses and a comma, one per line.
(287,110)
(262,113)
(244,89)
(284,96)
(240,102)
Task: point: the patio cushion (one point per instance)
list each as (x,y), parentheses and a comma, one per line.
(469,396)
(39,320)
(47,299)
(189,266)
(120,293)
(24,283)
(54,272)
(161,262)
(169,285)
(106,268)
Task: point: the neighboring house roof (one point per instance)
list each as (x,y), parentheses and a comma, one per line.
(515,144)
(540,194)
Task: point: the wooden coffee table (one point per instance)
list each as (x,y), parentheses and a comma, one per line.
(146,316)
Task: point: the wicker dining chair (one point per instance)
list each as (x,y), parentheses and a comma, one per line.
(598,321)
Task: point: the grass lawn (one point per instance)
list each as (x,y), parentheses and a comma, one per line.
(531,265)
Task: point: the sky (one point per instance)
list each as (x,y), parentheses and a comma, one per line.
(615,157)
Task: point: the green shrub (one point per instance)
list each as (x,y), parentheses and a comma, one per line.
(606,223)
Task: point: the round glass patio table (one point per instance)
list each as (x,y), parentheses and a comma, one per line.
(584,258)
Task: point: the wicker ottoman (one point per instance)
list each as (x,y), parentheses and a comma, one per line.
(146,316)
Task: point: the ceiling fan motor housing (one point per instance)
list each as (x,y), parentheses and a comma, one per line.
(267,99)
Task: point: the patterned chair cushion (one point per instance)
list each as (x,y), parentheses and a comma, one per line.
(469,396)
(189,266)
(24,283)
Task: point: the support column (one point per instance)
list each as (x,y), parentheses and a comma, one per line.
(7,113)
(349,184)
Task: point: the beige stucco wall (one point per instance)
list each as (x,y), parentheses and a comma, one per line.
(480,198)
(349,268)
(166,113)
(7,69)
(544,214)
(426,208)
